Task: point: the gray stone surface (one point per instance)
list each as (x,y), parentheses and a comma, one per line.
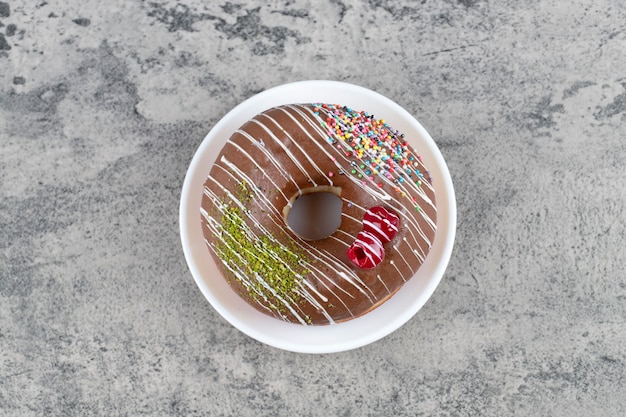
(103,103)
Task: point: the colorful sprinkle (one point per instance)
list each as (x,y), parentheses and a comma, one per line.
(374,148)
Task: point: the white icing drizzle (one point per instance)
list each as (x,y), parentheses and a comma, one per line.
(399,252)
(267,154)
(397,269)
(311,131)
(383,282)
(286,150)
(305,154)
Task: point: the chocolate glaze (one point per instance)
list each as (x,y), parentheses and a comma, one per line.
(292,149)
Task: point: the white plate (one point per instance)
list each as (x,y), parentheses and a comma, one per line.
(317,339)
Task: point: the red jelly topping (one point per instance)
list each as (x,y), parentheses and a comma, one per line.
(379,226)
(367,250)
(381,222)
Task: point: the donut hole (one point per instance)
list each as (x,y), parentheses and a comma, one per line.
(315,215)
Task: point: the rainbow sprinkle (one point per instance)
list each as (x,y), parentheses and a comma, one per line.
(377,149)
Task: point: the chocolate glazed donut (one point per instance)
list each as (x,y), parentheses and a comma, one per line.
(386,226)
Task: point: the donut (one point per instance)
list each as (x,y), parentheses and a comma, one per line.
(366,204)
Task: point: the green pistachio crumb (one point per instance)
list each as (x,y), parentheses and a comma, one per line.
(259,257)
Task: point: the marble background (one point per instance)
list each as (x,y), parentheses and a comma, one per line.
(103,103)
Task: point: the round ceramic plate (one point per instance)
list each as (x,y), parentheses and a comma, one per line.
(331,338)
